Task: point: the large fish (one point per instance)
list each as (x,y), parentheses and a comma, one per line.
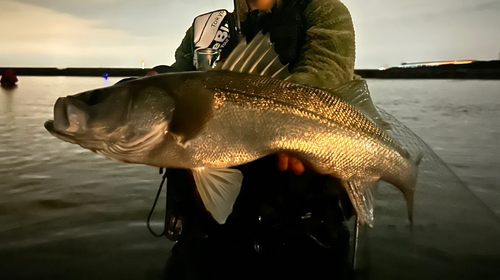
(211,121)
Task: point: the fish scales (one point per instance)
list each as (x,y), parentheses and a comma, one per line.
(305,98)
(260,110)
(314,100)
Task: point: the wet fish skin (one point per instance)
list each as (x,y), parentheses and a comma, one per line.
(221,119)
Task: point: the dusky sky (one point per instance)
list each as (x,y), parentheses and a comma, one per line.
(122,33)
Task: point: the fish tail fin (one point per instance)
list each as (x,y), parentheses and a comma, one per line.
(410,198)
(410,193)
(418,159)
(406,181)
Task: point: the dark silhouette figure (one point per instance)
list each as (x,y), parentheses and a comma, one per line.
(9,79)
(282,226)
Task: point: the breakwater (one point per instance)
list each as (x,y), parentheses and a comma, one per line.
(488,70)
(79,72)
(484,70)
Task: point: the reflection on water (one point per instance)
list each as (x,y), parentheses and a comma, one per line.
(68,213)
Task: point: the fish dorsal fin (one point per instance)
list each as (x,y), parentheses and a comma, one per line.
(357,94)
(257,58)
(218,188)
(362,195)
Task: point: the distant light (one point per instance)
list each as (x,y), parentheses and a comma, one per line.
(106,75)
(463,62)
(434,63)
(142,64)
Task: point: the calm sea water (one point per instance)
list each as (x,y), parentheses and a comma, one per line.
(458,119)
(70,214)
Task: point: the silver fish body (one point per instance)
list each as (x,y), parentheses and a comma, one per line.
(220,119)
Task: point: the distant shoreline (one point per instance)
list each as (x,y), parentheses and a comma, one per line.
(488,70)
(484,70)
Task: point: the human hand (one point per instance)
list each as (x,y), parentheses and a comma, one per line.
(286,162)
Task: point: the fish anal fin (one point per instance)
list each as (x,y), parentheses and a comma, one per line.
(362,196)
(218,189)
(192,112)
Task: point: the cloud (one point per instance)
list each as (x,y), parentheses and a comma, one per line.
(123,32)
(143,18)
(30,31)
(392,10)
(488,6)
(391,32)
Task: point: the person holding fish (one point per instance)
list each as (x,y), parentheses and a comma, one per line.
(288,88)
(281,201)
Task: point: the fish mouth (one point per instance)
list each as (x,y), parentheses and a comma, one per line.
(68,120)
(70,117)
(61,120)
(49,125)
(93,145)
(58,126)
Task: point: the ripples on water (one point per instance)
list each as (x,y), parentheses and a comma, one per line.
(64,210)
(458,119)
(58,201)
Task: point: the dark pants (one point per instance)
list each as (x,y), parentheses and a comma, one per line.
(292,220)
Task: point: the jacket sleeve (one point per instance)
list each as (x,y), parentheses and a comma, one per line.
(184,53)
(328,56)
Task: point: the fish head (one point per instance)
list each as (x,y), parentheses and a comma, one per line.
(121,121)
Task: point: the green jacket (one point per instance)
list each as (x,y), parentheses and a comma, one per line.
(328,56)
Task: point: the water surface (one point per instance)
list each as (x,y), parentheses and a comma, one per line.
(68,213)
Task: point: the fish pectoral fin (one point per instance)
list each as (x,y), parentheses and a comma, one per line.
(362,195)
(357,94)
(192,112)
(218,188)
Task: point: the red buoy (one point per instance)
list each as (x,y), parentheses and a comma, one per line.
(8,78)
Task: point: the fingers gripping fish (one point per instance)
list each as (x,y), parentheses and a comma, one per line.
(211,121)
